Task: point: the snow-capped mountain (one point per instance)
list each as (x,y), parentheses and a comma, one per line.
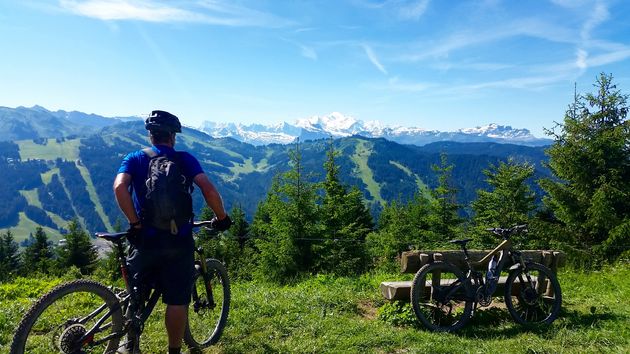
(338,125)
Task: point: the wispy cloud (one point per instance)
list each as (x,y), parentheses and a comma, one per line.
(207,12)
(530,27)
(598,15)
(306,51)
(413,10)
(373,59)
(403,9)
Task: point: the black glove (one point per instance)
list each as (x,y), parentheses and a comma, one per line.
(221,225)
(133,234)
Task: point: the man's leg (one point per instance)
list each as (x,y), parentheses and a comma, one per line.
(175,320)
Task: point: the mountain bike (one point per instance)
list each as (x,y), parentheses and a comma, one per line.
(85,316)
(444,298)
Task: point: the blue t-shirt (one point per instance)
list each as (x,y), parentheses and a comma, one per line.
(137,165)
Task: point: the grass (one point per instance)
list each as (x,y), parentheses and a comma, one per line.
(421,186)
(360,158)
(93,196)
(31,197)
(330,314)
(68,150)
(27,226)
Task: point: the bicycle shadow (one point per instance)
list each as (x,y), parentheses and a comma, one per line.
(490,323)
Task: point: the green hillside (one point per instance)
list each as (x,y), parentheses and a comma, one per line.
(74,176)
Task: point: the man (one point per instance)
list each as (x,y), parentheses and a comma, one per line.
(164,251)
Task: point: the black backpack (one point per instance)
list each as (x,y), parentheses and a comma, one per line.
(168,198)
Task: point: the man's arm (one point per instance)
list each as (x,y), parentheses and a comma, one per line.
(211,195)
(123,197)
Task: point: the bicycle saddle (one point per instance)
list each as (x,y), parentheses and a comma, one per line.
(115,237)
(461,242)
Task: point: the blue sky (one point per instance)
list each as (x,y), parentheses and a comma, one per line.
(432,64)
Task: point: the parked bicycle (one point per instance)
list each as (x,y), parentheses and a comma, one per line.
(444,297)
(85,316)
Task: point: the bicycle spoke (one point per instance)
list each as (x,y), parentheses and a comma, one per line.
(439,298)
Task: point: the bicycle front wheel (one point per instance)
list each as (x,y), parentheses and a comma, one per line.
(210,305)
(59,321)
(441,298)
(532,295)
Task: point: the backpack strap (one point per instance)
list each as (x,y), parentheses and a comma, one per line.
(150,152)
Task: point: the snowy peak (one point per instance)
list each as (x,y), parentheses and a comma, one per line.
(339,125)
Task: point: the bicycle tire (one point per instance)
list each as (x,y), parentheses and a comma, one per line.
(435,308)
(205,325)
(29,336)
(540,302)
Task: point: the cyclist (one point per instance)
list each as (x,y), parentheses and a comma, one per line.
(164,255)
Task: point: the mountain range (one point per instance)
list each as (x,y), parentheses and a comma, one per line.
(51,181)
(337,125)
(38,122)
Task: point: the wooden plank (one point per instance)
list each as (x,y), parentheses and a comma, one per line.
(400,290)
(396,290)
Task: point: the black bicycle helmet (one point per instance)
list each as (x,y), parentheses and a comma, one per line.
(163,121)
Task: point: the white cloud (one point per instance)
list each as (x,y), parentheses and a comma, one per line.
(207,12)
(305,51)
(370,54)
(308,52)
(413,10)
(580,60)
(530,27)
(403,9)
(598,15)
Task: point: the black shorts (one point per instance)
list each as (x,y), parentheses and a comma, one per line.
(166,262)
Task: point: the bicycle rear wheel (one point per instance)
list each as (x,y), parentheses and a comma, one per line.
(441,298)
(533,295)
(210,305)
(56,322)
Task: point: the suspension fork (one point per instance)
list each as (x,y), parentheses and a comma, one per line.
(206,276)
(517,258)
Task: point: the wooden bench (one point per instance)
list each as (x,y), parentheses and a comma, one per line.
(412,261)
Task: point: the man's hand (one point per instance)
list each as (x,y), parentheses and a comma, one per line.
(221,224)
(134,232)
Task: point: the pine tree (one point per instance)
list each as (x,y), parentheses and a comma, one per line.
(38,256)
(78,250)
(346,222)
(402,226)
(509,202)
(240,227)
(9,257)
(445,221)
(591,158)
(286,223)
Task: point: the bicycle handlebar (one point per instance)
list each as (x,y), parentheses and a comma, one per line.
(118,236)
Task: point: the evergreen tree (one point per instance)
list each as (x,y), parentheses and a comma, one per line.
(240,227)
(9,257)
(591,158)
(445,221)
(38,256)
(77,250)
(402,226)
(509,202)
(286,223)
(346,222)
